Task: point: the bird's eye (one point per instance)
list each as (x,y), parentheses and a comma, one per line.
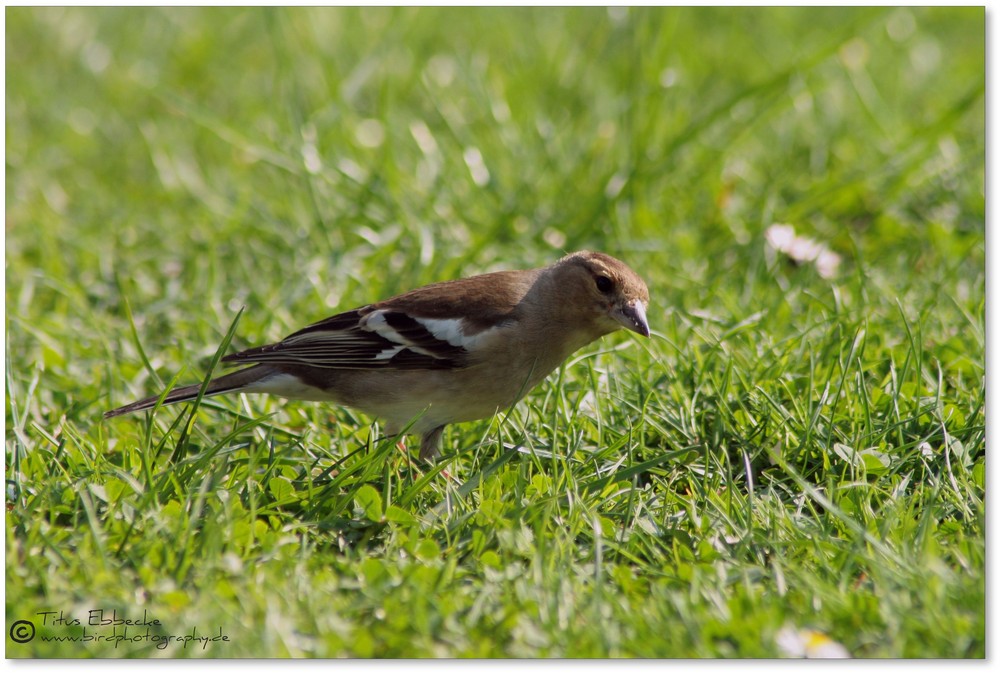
(604,284)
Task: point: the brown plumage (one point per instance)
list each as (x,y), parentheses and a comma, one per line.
(444,353)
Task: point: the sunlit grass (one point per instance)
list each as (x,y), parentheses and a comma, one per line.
(792,449)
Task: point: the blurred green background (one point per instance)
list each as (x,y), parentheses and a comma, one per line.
(303,161)
(450,136)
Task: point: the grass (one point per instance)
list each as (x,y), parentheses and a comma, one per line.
(790,450)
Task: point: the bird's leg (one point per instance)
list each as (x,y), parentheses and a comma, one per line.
(430,441)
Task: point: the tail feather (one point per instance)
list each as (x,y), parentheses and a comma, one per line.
(224,384)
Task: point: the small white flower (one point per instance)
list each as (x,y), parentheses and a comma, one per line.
(809,644)
(801,249)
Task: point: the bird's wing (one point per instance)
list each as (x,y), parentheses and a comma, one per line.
(368,338)
(438,326)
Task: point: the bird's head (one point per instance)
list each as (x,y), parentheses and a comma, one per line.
(612,294)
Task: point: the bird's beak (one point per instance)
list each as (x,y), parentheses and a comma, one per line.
(633,317)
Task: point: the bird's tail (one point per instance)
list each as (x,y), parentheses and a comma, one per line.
(224,384)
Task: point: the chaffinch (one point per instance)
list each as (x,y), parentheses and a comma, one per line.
(445,353)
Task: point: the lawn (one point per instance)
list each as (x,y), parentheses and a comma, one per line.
(799,447)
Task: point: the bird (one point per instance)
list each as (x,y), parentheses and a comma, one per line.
(449,352)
